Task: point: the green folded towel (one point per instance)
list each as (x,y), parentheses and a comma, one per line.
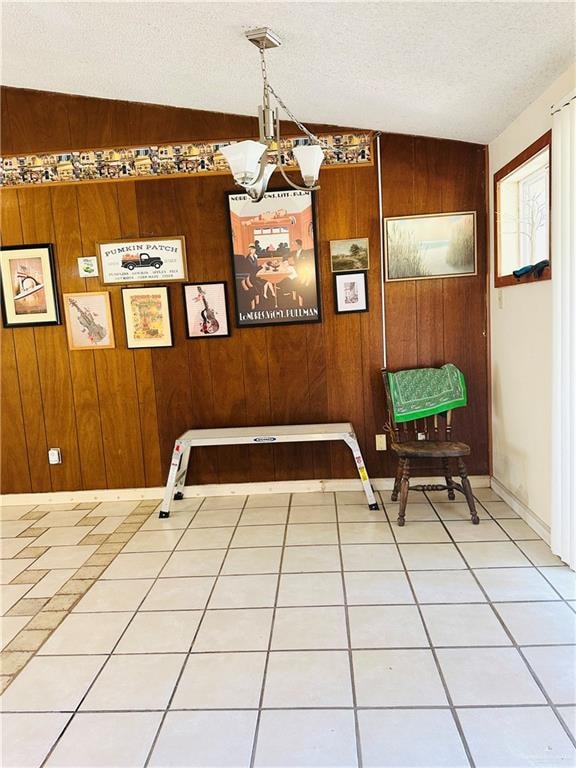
(425,391)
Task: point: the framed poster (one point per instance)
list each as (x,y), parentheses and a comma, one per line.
(147,317)
(350,291)
(274,259)
(88,320)
(153,260)
(206,310)
(349,255)
(29,294)
(431,246)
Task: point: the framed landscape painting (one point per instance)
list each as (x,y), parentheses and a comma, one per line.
(349,255)
(431,246)
(147,317)
(29,294)
(206,312)
(88,320)
(274,259)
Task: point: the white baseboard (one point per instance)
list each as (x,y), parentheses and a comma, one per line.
(531,518)
(233,489)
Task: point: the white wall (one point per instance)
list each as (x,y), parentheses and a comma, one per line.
(521,340)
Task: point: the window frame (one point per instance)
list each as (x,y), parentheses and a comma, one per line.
(544,142)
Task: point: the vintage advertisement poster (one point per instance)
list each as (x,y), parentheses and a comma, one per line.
(147,317)
(274,258)
(154,260)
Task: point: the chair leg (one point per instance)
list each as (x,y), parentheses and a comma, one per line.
(467,488)
(396,489)
(448,478)
(404,488)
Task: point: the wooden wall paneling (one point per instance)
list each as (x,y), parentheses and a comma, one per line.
(6,138)
(318,384)
(82,371)
(115,374)
(14,468)
(142,358)
(38,120)
(97,123)
(174,383)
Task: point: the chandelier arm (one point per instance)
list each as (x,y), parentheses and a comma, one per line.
(280,167)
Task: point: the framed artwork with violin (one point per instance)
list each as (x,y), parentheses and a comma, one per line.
(206,310)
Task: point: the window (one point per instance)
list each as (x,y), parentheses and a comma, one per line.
(522,214)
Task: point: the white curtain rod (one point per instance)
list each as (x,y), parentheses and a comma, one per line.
(563,102)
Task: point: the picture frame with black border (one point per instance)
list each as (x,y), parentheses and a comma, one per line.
(350,292)
(147,317)
(206,310)
(29,286)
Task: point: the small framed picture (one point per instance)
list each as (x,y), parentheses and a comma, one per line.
(88,266)
(350,291)
(150,260)
(349,255)
(206,310)
(147,317)
(29,295)
(88,320)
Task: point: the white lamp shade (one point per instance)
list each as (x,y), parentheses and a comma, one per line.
(244,160)
(309,157)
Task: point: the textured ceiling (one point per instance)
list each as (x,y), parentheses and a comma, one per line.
(452,69)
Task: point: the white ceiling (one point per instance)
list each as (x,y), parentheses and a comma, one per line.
(461,70)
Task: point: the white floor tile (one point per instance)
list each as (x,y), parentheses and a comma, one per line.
(223,502)
(244,592)
(64,557)
(57,518)
(386,626)
(539,623)
(194,562)
(309,628)
(516,738)
(108,525)
(106,740)
(487,530)
(360,513)
(311,559)
(86,633)
(397,678)
(14,511)
(424,557)
(518,529)
(27,738)
(136,565)
(160,632)
(213,518)
(310,589)
(264,516)
(499,510)
(205,740)
(313,497)
(121,595)
(240,630)
(486,494)
(424,533)
(493,554)
(556,670)
(258,536)
(310,739)
(135,682)
(539,553)
(10,594)
(308,679)
(12,528)
(221,681)
(51,583)
(62,536)
(51,684)
(179,594)
(502,584)
(351,497)
(365,533)
(252,560)
(446,587)
(312,533)
(371,557)
(563,580)
(372,588)
(114,508)
(458,510)
(490,676)
(568,714)
(311,514)
(422,738)
(11,547)
(10,626)
(153,541)
(468,625)
(206,538)
(257,500)
(176,521)
(9,569)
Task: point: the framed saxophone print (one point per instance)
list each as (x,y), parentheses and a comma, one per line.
(89,320)
(147,317)
(206,310)
(29,294)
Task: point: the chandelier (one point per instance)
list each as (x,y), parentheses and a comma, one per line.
(252,162)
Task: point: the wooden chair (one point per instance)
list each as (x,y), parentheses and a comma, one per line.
(427,438)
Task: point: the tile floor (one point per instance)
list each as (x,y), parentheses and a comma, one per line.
(287,630)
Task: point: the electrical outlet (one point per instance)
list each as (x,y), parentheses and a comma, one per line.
(421,436)
(380,442)
(54,456)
